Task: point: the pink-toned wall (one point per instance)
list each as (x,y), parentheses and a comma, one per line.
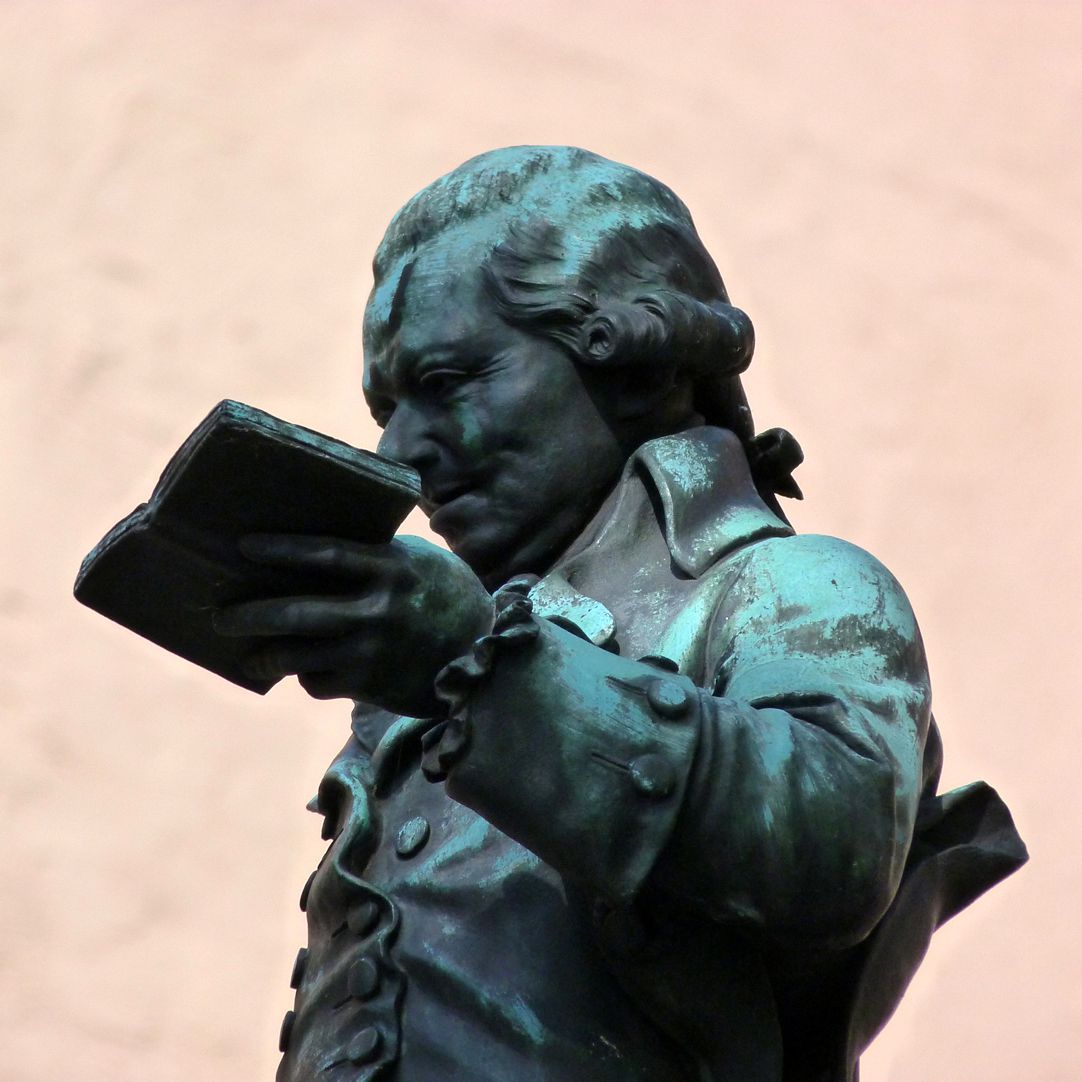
(191,195)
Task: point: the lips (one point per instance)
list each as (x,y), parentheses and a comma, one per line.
(453,517)
(436,498)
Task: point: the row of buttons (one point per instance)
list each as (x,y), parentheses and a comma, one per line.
(363,978)
(362,982)
(652,774)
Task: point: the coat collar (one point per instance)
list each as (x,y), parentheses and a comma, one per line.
(683,503)
(697,488)
(707,497)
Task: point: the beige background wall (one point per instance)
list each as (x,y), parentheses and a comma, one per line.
(191,195)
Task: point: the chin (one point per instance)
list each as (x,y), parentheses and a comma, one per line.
(481,559)
(493,572)
(496,556)
(489,563)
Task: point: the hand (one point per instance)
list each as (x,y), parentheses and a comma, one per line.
(406,610)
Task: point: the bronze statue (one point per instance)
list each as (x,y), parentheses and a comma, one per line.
(640,784)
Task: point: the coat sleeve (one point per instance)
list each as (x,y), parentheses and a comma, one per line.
(781,797)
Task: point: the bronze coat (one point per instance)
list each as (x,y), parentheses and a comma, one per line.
(688,829)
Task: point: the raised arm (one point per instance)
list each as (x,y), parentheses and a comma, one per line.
(782,796)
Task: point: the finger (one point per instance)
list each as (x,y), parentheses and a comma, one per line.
(291,658)
(325,685)
(331,555)
(322,616)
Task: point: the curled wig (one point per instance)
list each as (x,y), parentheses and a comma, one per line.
(605,261)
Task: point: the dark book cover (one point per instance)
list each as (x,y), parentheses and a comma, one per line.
(163,570)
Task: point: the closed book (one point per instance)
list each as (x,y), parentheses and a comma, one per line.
(165,569)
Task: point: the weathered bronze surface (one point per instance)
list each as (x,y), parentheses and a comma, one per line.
(641,784)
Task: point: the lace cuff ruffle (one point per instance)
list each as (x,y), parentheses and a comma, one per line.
(513,629)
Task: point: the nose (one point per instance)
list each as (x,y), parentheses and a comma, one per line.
(407,438)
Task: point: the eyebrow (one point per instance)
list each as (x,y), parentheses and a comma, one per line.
(398,301)
(384,377)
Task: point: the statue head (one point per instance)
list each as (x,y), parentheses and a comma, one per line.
(591,276)
(592,254)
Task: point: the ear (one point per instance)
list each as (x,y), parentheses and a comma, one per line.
(630,343)
(699,335)
(622,334)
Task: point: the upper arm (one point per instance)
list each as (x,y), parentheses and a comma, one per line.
(811,619)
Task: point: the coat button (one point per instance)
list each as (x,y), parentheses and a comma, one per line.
(412,837)
(652,775)
(305,890)
(300,964)
(362,917)
(364,1046)
(363,979)
(286,1031)
(668,699)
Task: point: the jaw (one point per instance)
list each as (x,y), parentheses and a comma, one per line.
(494,569)
(496,557)
(522,522)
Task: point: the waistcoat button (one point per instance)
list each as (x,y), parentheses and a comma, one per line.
(363,979)
(300,964)
(362,916)
(412,837)
(364,1046)
(286,1031)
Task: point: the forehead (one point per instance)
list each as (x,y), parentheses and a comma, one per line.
(431,301)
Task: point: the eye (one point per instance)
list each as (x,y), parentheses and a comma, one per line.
(438,381)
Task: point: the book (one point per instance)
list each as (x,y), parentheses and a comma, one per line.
(164,570)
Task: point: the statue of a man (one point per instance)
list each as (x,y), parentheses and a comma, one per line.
(640,785)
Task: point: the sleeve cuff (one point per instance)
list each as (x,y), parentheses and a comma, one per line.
(513,629)
(578,754)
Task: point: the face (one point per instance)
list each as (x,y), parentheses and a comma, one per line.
(513,453)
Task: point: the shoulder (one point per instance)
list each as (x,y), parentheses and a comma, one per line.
(814,563)
(814,579)
(815,557)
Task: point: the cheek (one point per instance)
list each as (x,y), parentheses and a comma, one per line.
(468,425)
(495,420)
